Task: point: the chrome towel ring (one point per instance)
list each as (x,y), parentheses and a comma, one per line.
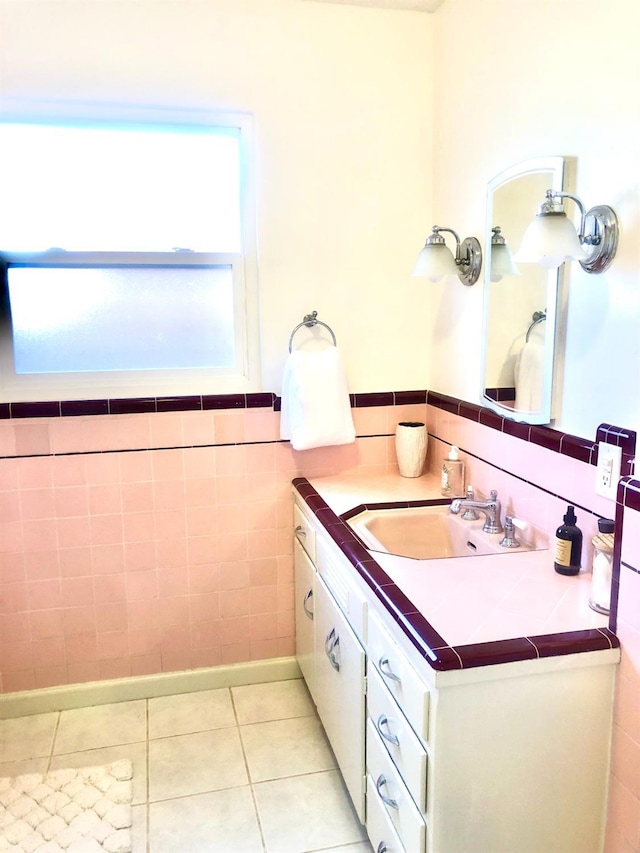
(538,317)
(309,321)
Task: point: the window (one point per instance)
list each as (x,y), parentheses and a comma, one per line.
(128,256)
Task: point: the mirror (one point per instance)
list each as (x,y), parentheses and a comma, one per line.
(519,301)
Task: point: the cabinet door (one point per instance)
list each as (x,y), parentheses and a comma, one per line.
(340,672)
(305,575)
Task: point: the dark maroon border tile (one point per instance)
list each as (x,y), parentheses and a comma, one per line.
(223,401)
(443,401)
(382,398)
(621,437)
(579,448)
(589,640)
(133,406)
(179,404)
(517,429)
(5,411)
(260,401)
(546,437)
(410,398)
(497,651)
(48,409)
(491,419)
(75,408)
(470,411)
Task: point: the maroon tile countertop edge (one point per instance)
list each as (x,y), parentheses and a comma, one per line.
(417,628)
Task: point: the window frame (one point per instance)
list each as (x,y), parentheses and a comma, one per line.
(245,376)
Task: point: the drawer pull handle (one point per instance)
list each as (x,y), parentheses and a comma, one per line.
(385,669)
(308,613)
(383,721)
(388,801)
(382,847)
(330,644)
(300,532)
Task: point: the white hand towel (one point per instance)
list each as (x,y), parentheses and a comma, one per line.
(529,375)
(316,411)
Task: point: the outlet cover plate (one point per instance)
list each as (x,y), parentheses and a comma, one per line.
(608,470)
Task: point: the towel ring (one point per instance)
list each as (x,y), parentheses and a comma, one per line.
(538,317)
(309,321)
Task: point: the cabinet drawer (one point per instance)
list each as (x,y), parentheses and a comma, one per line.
(335,573)
(406,687)
(381,832)
(405,748)
(392,795)
(305,532)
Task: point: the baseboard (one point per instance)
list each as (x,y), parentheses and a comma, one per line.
(63,698)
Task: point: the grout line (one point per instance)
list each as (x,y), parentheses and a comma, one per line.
(246,764)
(53,742)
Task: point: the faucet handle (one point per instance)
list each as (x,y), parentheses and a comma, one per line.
(509,540)
(470,514)
(493,495)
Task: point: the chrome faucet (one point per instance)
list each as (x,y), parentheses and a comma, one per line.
(490,508)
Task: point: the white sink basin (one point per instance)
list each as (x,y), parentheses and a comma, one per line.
(427,533)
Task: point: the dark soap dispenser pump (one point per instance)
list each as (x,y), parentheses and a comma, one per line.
(568,552)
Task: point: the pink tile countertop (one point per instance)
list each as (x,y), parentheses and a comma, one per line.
(481,607)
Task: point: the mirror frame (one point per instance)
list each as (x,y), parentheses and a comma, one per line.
(557,168)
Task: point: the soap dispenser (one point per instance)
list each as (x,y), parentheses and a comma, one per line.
(452,479)
(568,553)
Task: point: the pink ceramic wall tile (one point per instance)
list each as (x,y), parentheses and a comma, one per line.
(229,427)
(72,501)
(173,582)
(235,629)
(12,566)
(85,671)
(265,649)
(35,473)
(263,599)
(371,420)
(166,429)
(205,578)
(198,428)
(234,602)
(107,559)
(235,653)
(168,465)
(132,467)
(109,589)
(628,706)
(79,620)
(32,438)
(146,664)
(106,529)
(41,565)
(205,606)
(10,505)
(7,439)
(15,682)
(43,624)
(77,592)
(132,431)
(131,497)
(263,571)
(15,627)
(230,518)
(261,425)
(230,461)
(69,435)
(395,414)
(205,635)
(138,527)
(51,676)
(103,468)
(206,657)
(625,760)
(141,585)
(113,646)
(263,626)
(105,500)
(114,668)
(43,595)
(38,503)
(623,824)
(111,617)
(171,554)
(200,463)
(81,649)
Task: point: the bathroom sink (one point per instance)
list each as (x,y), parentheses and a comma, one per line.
(427,533)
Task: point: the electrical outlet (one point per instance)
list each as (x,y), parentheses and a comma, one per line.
(608,470)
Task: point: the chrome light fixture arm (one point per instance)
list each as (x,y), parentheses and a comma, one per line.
(468,256)
(599,231)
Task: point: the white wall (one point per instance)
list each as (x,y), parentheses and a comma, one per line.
(525,78)
(342,99)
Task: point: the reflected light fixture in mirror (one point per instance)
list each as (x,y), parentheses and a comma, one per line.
(552,238)
(436,259)
(502,262)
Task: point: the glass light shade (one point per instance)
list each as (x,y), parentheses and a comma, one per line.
(502,262)
(550,240)
(434,262)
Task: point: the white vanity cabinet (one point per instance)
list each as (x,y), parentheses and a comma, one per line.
(331,656)
(502,758)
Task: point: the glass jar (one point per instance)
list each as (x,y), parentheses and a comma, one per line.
(600,598)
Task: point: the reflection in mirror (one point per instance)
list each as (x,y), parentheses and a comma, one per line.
(519,299)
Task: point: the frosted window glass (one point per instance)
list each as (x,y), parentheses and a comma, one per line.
(119,189)
(81,320)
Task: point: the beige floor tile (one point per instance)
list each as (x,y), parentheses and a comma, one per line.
(277,700)
(102,725)
(27,737)
(286,748)
(220,822)
(190,712)
(135,752)
(19,768)
(307,813)
(195,763)
(139,829)
(361,847)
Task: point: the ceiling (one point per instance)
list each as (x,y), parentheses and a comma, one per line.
(415,5)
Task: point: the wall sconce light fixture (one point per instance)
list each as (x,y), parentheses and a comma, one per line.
(552,238)
(436,259)
(502,262)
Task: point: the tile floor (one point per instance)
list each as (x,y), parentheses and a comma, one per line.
(232,770)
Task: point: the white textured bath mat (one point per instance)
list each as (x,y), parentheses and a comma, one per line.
(84,810)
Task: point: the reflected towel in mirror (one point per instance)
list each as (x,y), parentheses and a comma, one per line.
(529,377)
(316,410)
